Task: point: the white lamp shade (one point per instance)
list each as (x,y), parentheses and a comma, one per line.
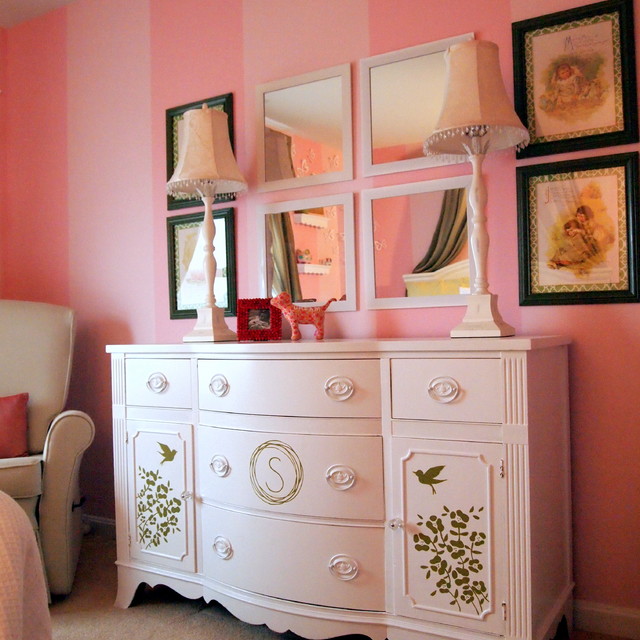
(206,165)
(475,104)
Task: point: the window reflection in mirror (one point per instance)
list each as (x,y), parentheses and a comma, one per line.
(305,130)
(309,251)
(416,244)
(401,96)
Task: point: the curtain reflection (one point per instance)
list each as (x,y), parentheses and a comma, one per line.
(277,155)
(284,276)
(450,235)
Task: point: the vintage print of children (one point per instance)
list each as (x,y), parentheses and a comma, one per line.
(578,232)
(574,91)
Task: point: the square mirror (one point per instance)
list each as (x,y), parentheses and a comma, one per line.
(401,94)
(414,244)
(304,130)
(309,251)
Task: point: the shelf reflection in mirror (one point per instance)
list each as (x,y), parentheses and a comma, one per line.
(304,130)
(415,244)
(309,251)
(401,94)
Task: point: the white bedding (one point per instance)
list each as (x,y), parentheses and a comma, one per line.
(24,611)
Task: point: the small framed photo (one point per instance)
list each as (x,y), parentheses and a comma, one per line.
(575,78)
(578,231)
(258,319)
(185,248)
(173,117)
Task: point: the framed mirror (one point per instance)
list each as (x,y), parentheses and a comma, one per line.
(401,94)
(414,243)
(304,130)
(309,251)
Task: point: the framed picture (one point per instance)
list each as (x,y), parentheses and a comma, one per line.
(173,116)
(575,78)
(258,319)
(577,229)
(187,287)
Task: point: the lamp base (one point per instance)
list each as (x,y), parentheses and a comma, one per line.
(210,327)
(482,320)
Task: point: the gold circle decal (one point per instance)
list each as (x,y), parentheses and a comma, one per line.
(276,472)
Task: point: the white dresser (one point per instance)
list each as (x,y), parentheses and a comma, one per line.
(395,488)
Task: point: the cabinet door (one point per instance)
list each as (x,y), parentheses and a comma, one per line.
(161,512)
(447,535)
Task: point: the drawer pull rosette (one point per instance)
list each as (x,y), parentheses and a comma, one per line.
(219,385)
(220,466)
(343,567)
(157,382)
(340,477)
(339,388)
(222,547)
(443,389)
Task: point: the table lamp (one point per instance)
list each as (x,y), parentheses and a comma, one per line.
(476,118)
(206,167)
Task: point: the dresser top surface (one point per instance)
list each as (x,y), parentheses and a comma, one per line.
(353,346)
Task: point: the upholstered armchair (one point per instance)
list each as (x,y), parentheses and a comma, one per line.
(41,471)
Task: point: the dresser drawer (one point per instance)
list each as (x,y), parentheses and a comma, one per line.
(158,383)
(320,388)
(334,566)
(447,389)
(315,475)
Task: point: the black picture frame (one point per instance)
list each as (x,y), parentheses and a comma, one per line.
(222,102)
(578,231)
(575,78)
(182,232)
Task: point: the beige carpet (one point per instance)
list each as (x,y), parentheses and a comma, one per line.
(158,614)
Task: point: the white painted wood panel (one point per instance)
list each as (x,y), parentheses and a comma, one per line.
(313,475)
(158,382)
(301,387)
(447,389)
(292,560)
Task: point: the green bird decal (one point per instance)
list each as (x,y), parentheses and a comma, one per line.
(167,453)
(430,477)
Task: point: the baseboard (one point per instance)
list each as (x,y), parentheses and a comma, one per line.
(105,527)
(602,618)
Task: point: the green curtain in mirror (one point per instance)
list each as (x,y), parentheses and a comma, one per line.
(284,275)
(450,234)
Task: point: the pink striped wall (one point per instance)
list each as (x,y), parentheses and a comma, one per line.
(84,90)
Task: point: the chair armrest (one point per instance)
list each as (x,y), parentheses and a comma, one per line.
(69,435)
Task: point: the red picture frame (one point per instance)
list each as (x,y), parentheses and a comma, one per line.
(258,319)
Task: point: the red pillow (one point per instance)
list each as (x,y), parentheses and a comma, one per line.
(13,426)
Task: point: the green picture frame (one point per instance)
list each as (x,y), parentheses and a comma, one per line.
(186,280)
(575,78)
(578,231)
(222,102)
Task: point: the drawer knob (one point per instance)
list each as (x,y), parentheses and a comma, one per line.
(443,389)
(220,466)
(157,382)
(343,567)
(395,524)
(339,388)
(186,495)
(340,477)
(222,547)
(219,385)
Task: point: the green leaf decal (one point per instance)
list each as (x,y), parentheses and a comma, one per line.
(454,556)
(156,510)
